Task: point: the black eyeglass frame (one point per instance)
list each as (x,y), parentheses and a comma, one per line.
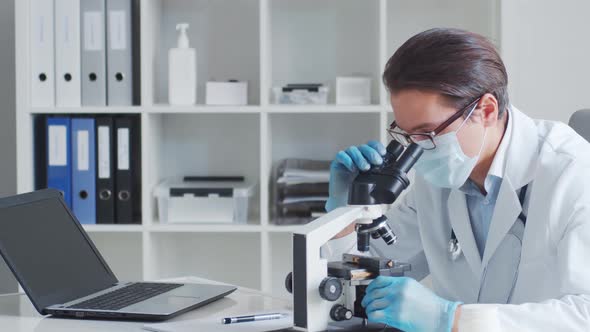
(410,138)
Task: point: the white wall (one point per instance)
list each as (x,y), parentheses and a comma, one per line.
(7,119)
(546,48)
(407,18)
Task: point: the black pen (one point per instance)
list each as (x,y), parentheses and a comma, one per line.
(252,318)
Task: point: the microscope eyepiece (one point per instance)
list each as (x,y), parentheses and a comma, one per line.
(394,150)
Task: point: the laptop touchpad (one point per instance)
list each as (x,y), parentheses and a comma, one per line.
(163,304)
(181,301)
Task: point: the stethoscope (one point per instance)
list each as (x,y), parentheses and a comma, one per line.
(454,245)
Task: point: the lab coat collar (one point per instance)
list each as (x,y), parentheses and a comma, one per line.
(505,215)
(521,157)
(499,162)
(522,149)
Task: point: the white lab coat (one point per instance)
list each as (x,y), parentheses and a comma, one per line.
(540,269)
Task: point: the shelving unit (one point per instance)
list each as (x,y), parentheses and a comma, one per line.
(268,43)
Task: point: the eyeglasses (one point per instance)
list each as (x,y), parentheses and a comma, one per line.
(426,140)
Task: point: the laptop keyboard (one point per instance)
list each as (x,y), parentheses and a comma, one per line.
(125,296)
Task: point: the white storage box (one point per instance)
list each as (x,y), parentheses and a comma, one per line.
(227,93)
(203,200)
(353,90)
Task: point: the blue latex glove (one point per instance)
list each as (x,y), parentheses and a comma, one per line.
(345,167)
(405,304)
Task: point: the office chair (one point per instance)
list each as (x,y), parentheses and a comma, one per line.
(580,122)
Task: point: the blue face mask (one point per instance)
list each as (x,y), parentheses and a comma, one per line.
(447,166)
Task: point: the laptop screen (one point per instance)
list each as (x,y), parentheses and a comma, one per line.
(48,252)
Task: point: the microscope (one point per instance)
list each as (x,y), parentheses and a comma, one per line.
(325,293)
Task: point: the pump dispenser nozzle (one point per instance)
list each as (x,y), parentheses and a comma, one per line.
(182,36)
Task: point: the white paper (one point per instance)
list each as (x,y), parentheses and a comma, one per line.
(117,30)
(104,157)
(83,151)
(214,324)
(294,200)
(307,173)
(123,149)
(58,146)
(302,179)
(93,31)
(297,176)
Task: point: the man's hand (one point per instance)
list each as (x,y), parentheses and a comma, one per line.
(346,166)
(405,304)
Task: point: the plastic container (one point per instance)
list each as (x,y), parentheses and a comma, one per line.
(294,95)
(203,201)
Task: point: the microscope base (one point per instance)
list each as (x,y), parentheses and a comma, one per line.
(355,325)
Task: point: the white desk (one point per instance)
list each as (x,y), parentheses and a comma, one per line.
(17,314)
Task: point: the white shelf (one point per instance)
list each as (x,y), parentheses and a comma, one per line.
(201,109)
(114,228)
(225,34)
(87,110)
(281,258)
(204,228)
(316,41)
(268,43)
(214,109)
(227,257)
(156,227)
(330,108)
(282,229)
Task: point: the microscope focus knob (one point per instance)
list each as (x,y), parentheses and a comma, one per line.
(289,282)
(330,289)
(340,313)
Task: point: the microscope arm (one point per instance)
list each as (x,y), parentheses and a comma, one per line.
(311,311)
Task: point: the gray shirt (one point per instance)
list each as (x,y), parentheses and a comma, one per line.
(481,207)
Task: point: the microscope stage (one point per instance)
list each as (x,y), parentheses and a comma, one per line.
(354,272)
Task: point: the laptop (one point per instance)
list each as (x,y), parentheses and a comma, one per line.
(63,274)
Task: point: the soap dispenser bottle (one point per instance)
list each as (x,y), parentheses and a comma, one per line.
(182,70)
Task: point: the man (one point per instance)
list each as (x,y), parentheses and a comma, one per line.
(499,211)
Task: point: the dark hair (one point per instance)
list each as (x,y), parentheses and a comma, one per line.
(457,64)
